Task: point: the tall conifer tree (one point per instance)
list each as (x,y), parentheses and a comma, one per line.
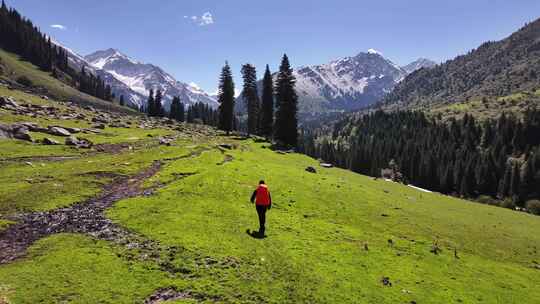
(150,107)
(251,97)
(226,99)
(286,125)
(267,108)
(157,104)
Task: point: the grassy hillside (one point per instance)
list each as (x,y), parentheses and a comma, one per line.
(11,68)
(495,68)
(180,213)
(484,108)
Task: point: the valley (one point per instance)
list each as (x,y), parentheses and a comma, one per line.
(180,232)
(414,183)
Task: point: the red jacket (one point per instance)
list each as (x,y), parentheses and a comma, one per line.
(261,196)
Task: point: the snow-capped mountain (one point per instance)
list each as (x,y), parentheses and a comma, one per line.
(77,62)
(348,83)
(141,77)
(418,64)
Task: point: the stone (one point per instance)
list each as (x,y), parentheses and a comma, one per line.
(58,131)
(8,102)
(22,134)
(226,146)
(73,130)
(386,281)
(326,165)
(78,142)
(311,169)
(101,119)
(50,141)
(71,141)
(99,126)
(165,141)
(5,131)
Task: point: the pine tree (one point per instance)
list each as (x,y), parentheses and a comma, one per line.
(122,102)
(251,97)
(286,125)
(181,112)
(158,107)
(174,108)
(177,109)
(226,99)
(267,109)
(150,105)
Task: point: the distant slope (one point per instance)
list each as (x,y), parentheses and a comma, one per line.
(418,64)
(11,67)
(493,69)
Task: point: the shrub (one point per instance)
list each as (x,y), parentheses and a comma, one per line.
(488,200)
(23,80)
(533,206)
(508,203)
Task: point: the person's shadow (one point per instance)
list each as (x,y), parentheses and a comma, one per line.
(255,234)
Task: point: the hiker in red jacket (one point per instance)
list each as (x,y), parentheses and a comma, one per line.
(263,201)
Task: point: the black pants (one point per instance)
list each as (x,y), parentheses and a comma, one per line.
(261,211)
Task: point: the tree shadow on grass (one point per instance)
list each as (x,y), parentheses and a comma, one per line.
(255,234)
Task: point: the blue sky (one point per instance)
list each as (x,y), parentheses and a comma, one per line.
(167,34)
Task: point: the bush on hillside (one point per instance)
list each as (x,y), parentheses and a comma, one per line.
(533,206)
(508,203)
(488,200)
(23,80)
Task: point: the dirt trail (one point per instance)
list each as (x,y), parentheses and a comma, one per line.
(85,217)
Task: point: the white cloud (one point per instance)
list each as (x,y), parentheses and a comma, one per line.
(59,26)
(205,19)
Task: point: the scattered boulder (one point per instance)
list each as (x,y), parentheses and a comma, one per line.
(73,130)
(8,102)
(326,165)
(165,141)
(386,281)
(22,134)
(435,249)
(118,125)
(101,119)
(32,126)
(71,140)
(78,142)
(226,146)
(58,131)
(50,141)
(99,126)
(5,131)
(311,169)
(17,131)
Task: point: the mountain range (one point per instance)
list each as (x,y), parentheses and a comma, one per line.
(348,83)
(352,82)
(134,79)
